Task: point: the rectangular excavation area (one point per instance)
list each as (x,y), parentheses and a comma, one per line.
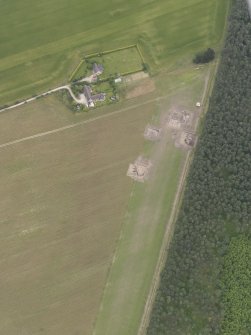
(186,140)
(152,133)
(140,169)
(179,119)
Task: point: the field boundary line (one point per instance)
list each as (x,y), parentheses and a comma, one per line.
(113,259)
(106,52)
(140,53)
(174,214)
(76,70)
(78,124)
(122,74)
(156,278)
(164,248)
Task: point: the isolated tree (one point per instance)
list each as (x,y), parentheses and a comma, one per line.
(204,57)
(145,67)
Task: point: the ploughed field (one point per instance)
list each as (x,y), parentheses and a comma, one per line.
(42,41)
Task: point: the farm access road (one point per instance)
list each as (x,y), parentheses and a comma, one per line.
(209,81)
(81,101)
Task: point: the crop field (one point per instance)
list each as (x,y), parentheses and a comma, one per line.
(60,232)
(79,239)
(58,226)
(117,62)
(46,39)
(147,216)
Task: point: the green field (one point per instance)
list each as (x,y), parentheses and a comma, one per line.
(79,239)
(46,40)
(118,62)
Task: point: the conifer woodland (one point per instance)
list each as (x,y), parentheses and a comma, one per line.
(205,285)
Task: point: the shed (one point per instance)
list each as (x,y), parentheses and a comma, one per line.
(118,80)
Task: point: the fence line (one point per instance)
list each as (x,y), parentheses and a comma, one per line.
(140,53)
(76,69)
(110,51)
(131,72)
(106,53)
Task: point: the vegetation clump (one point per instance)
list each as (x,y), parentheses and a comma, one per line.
(204,57)
(199,285)
(235,283)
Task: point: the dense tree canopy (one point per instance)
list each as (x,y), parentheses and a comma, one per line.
(204,57)
(235,284)
(216,207)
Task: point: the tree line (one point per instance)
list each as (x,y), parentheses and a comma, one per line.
(193,298)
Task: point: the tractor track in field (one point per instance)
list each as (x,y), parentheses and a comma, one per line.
(78,124)
(209,80)
(164,249)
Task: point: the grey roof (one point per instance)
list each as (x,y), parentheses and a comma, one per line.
(88,92)
(98,97)
(97,68)
(93,97)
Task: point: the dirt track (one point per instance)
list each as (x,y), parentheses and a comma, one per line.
(164,247)
(53,131)
(170,226)
(81,101)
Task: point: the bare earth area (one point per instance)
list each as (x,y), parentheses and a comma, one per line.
(140,87)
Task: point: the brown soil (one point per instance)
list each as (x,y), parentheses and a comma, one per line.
(143,87)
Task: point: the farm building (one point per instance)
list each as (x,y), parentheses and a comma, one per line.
(118,80)
(97,69)
(92,98)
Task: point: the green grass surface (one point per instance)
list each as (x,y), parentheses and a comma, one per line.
(61,218)
(138,249)
(117,62)
(147,216)
(42,42)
